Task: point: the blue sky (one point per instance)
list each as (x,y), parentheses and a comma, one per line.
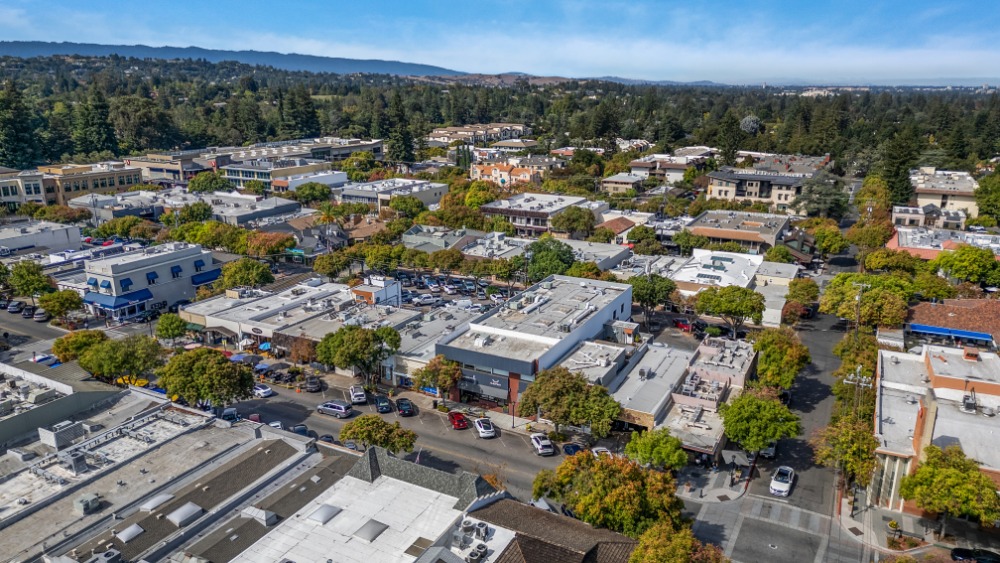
(817,41)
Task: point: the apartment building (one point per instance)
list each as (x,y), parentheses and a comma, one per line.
(68,181)
(267,171)
(124,285)
(755,231)
(479,133)
(664,167)
(929,215)
(378,194)
(621,183)
(532,213)
(735,184)
(504,174)
(948,190)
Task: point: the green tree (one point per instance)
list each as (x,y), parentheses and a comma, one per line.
(754,421)
(612,492)
(873,200)
(75,344)
(640,233)
(205,374)
(359,165)
(803,290)
(140,124)
(480,193)
(124,360)
(255,187)
(27,279)
(651,290)
(196,212)
(576,221)
(439,373)
(688,241)
(882,301)
(781,356)
(829,240)
(565,398)
(898,156)
(822,195)
(849,444)
(4,276)
(728,246)
(950,484)
(263,244)
(61,303)
(205,182)
(311,192)
(331,265)
(93,132)
(779,253)
(407,206)
(988,195)
(933,286)
(170,326)
(373,430)
(868,237)
(587,270)
(967,263)
(662,543)
(548,256)
(399,145)
(733,304)
(18,148)
(246,272)
(729,138)
(602,234)
(890,260)
(657,448)
(361,349)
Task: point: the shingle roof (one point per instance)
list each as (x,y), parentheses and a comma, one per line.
(618,225)
(544,537)
(976,315)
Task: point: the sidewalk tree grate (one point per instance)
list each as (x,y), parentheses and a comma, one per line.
(855,531)
(723,498)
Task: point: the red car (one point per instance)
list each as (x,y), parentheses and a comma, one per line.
(682,324)
(458,420)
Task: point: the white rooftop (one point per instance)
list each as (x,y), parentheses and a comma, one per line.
(419,335)
(640,264)
(722,269)
(945,239)
(261,309)
(408,512)
(932,180)
(597,361)
(159,253)
(650,392)
(549,203)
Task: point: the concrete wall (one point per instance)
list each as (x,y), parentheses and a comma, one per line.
(28,422)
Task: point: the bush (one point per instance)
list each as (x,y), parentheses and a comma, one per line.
(557,436)
(443,409)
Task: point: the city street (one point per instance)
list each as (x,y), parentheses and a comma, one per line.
(14,324)
(438,444)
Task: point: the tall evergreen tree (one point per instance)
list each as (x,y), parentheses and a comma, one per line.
(898,155)
(92,131)
(18,148)
(399,147)
(57,137)
(729,138)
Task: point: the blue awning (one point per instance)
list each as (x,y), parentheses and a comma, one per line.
(176,269)
(202,278)
(265,346)
(126,283)
(105,284)
(91,281)
(151,275)
(111,302)
(953,332)
(199,263)
(262,366)
(237,357)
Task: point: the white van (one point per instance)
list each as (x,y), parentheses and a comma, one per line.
(358,395)
(339,409)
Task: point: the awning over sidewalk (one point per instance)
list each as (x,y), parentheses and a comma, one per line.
(202,278)
(222,331)
(106,301)
(195,327)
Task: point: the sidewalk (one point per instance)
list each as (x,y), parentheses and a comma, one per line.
(703,485)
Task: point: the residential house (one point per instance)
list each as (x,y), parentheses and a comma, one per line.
(622,183)
(929,215)
(504,174)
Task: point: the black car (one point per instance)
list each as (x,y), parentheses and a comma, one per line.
(405,407)
(382,404)
(4,303)
(28,311)
(15,306)
(146,316)
(176,306)
(328,438)
(974,554)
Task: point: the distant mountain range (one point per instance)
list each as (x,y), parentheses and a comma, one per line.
(311,63)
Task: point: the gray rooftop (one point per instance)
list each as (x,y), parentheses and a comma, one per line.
(933,181)
(945,239)
(664,367)
(763,223)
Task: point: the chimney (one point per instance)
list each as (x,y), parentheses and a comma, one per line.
(971,353)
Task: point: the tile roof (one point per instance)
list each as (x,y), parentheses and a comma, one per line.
(544,537)
(976,315)
(618,225)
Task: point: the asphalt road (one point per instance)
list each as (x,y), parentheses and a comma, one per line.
(16,325)
(438,445)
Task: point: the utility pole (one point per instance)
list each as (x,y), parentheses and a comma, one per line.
(857,325)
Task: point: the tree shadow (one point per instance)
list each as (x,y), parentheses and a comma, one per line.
(707,532)
(430,459)
(809,391)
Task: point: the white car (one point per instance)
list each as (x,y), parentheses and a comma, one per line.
(542,444)
(450,289)
(600,450)
(276,424)
(427,299)
(260,390)
(782,481)
(485,428)
(496,298)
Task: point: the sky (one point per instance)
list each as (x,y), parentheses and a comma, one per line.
(789,41)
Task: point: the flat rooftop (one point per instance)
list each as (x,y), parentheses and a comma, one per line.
(763,223)
(697,428)
(419,335)
(27,228)
(650,392)
(168,251)
(215,305)
(597,361)
(720,269)
(789,164)
(730,358)
(640,264)
(974,433)
(394,186)
(286,300)
(548,203)
(349,312)
(534,320)
(738,174)
(497,245)
(372,521)
(945,239)
(895,419)
(933,181)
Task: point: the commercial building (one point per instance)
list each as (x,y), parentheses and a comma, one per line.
(928,243)
(759,186)
(68,181)
(645,389)
(479,133)
(940,396)
(173,167)
(331,178)
(154,277)
(755,231)
(431,239)
(333,149)
(929,215)
(956,322)
(621,183)
(532,213)
(502,351)
(38,236)
(499,245)
(378,194)
(232,208)
(267,170)
(18,187)
(948,190)
(665,168)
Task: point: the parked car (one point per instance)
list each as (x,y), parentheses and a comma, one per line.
(300,429)
(542,444)
(177,306)
(481,294)
(601,451)
(484,427)
(458,420)
(449,287)
(339,409)
(40,316)
(405,408)
(427,299)
(433,285)
(405,280)
(974,554)
(484,284)
(276,424)
(682,323)
(4,303)
(313,384)
(328,438)
(146,316)
(358,395)
(497,298)
(782,481)
(469,285)
(261,391)
(770,450)
(15,306)
(382,404)
(572,449)
(419,283)
(28,311)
